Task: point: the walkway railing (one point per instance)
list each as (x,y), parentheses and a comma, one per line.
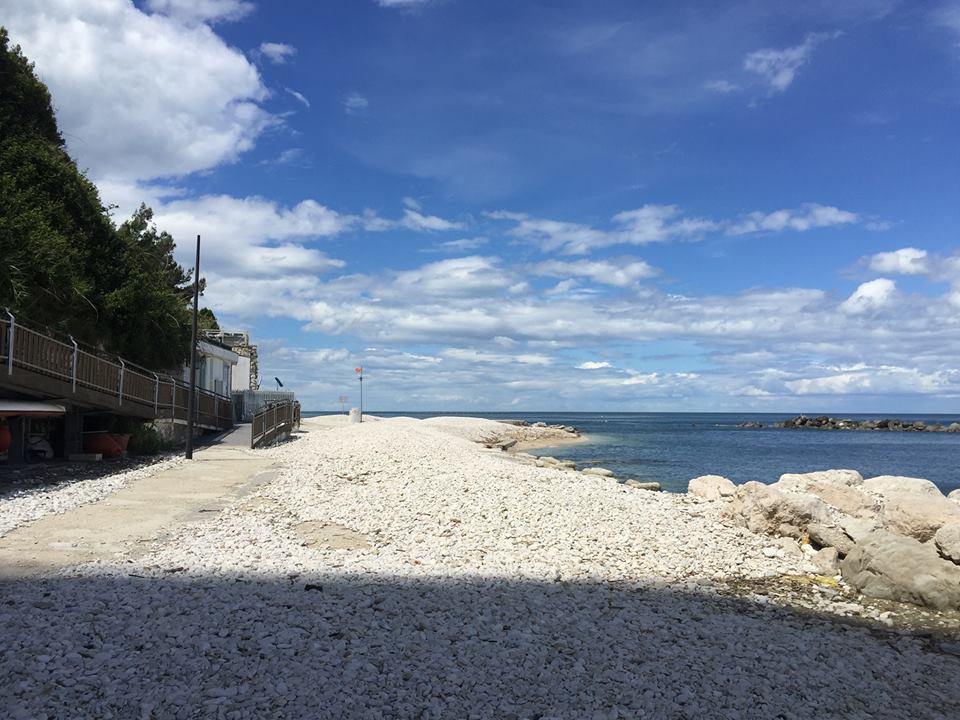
(36,362)
(273,421)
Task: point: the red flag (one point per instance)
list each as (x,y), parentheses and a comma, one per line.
(358,370)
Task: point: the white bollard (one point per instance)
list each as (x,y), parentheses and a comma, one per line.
(354,415)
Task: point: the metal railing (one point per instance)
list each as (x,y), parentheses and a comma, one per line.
(273,421)
(109,381)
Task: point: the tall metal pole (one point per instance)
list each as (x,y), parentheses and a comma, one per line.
(361,396)
(193,354)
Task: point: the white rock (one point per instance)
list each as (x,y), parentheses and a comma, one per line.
(598,471)
(884,484)
(711,487)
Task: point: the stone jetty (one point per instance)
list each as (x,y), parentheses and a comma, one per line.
(825,422)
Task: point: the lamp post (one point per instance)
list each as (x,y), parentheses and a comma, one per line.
(191,399)
(359,372)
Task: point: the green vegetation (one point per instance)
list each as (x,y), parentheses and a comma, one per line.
(206,320)
(64,264)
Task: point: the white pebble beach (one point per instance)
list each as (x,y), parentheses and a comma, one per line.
(399,569)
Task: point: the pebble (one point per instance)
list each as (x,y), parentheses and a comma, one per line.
(487,588)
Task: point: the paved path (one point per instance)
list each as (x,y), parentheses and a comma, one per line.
(134,517)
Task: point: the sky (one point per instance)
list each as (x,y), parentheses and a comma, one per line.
(492,205)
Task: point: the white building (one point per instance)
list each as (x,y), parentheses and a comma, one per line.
(215,367)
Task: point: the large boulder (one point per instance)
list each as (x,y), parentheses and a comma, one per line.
(766,510)
(947,541)
(800,481)
(892,567)
(846,499)
(711,487)
(917,514)
(826,561)
(855,528)
(828,535)
(954,495)
(884,484)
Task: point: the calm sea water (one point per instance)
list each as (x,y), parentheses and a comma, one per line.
(671,448)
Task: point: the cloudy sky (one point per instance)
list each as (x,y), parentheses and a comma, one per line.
(543,205)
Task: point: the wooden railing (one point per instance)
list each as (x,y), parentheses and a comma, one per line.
(273,421)
(35,361)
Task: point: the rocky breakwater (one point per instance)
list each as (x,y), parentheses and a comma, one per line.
(825,422)
(569,466)
(889,537)
(518,434)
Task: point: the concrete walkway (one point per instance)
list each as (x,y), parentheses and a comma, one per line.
(134,517)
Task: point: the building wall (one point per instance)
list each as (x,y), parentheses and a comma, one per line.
(241,375)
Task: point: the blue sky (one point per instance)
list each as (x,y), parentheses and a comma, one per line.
(544,205)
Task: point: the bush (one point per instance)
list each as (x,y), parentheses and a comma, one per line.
(145,440)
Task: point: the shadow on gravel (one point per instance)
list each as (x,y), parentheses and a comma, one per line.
(14,479)
(175,647)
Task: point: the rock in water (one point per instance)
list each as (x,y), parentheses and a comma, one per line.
(655,486)
(947,541)
(598,471)
(891,567)
(711,487)
(917,515)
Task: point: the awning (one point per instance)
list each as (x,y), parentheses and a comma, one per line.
(31,408)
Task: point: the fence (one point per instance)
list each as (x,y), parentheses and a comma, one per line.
(35,361)
(273,421)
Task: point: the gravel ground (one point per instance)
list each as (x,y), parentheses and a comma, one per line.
(476,586)
(41,490)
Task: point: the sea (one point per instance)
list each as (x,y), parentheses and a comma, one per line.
(672,448)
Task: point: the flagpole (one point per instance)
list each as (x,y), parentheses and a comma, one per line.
(361,394)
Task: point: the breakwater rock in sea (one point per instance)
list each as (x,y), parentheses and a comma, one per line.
(889,537)
(824,422)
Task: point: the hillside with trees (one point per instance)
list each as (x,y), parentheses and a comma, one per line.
(64,263)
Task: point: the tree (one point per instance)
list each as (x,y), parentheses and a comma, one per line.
(51,216)
(63,262)
(147,309)
(206,320)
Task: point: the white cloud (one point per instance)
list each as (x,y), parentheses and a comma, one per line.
(947,15)
(593,365)
(413,220)
(253,237)
(146,122)
(664,223)
(403,4)
(764,346)
(648,224)
(882,380)
(721,86)
(869,296)
(412,203)
(476,356)
(620,273)
(808,217)
(905,261)
(472,275)
(355,104)
(778,68)
(277,53)
(299,97)
(202,10)
(461,245)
